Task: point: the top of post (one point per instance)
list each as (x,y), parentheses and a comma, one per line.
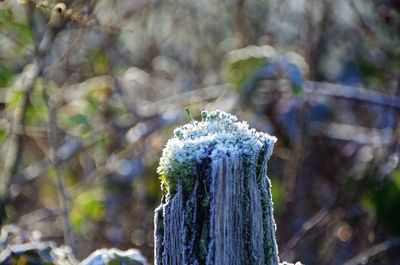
(218,134)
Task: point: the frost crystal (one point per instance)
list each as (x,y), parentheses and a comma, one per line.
(218,134)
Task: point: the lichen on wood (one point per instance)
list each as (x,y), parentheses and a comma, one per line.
(217,206)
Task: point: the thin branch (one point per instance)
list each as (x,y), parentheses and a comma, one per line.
(313,222)
(14,142)
(119,88)
(61,189)
(15,139)
(337,91)
(354,93)
(240,23)
(76,16)
(36,216)
(371,34)
(293,165)
(363,257)
(17,130)
(72,47)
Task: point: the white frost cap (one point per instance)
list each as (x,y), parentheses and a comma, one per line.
(219,133)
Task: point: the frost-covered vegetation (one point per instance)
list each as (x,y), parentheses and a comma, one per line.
(218,134)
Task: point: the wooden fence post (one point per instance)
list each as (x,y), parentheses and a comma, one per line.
(217,206)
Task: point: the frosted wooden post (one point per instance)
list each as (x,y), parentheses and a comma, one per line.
(217,206)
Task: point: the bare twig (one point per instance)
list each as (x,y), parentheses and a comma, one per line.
(337,91)
(71,48)
(61,190)
(119,88)
(241,23)
(76,16)
(363,257)
(14,141)
(314,221)
(36,216)
(295,159)
(372,35)
(17,129)
(54,26)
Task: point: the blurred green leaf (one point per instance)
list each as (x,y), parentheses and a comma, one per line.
(23,32)
(396,178)
(6,15)
(100,63)
(5,76)
(79,119)
(3,135)
(14,99)
(278,196)
(88,206)
(240,71)
(385,200)
(37,114)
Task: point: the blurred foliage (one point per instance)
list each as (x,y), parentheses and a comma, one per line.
(19,247)
(384,197)
(87,206)
(117,75)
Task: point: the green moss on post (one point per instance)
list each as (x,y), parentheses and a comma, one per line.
(217,206)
